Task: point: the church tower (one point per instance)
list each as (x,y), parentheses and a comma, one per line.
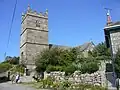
(34,36)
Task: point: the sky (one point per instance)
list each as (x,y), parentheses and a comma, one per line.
(71,22)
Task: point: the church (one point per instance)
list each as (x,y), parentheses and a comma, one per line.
(34,37)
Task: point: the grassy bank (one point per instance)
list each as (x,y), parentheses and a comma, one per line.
(44,84)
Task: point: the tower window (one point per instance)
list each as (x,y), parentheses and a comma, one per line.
(22,54)
(37,23)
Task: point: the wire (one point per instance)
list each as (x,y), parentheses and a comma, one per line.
(10,28)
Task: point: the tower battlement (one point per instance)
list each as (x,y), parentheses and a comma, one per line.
(34,13)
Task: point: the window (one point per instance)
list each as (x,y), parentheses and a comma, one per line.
(37,23)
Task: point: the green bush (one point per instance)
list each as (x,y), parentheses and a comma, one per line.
(89,67)
(56,59)
(53,58)
(70,69)
(17,68)
(51,68)
(48,83)
(117,63)
(65,85)
(5,67)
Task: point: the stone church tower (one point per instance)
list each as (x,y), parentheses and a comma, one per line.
(34,36)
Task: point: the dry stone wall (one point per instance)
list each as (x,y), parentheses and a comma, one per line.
(77,78)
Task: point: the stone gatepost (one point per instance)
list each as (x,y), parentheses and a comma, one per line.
(102,73)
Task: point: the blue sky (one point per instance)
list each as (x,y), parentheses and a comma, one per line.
(71,22)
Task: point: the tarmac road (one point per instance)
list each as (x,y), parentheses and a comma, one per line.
(10,86)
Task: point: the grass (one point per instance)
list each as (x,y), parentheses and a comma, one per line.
(38,85)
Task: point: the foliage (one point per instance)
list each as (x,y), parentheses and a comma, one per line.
(87,65)
(57,59)
(5,67)
(53,58)
(101,52)
(69,60)
(70,69)
(17,68)
(54,68)
(50,84)
(90,67)
(12,60)
(117,62)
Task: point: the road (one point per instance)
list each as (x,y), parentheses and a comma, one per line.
(10,86)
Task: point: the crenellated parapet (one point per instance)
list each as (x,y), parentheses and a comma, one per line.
(34,13)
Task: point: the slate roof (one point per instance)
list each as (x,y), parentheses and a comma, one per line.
(86,46)
(59,46)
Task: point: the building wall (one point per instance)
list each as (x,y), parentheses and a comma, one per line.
(32,50)
(115,40)
(23,54)
(38,37)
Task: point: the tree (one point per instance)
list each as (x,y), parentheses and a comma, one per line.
(101,52)
(12,60)
(5,67)
(70,69)
(88,65)
(117,63)
(55,57)
(48,57)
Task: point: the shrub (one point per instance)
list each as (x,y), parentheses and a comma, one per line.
(56,59)
(89,67)
(5,67)
(17,68)
(54,68)
(70,69)
(47,83)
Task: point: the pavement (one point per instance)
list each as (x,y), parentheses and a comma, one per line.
(10,86)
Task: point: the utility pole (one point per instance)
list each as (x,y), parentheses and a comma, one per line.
(10,28)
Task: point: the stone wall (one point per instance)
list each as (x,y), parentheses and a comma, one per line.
(94,78)
(115,37)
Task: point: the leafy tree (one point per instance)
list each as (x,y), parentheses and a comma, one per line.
(70,69)
(5,67)
(12,60)
(17,68)
(101,52)
(54,68)
(90,67)
(48,57)
(57,59)
(117,62)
